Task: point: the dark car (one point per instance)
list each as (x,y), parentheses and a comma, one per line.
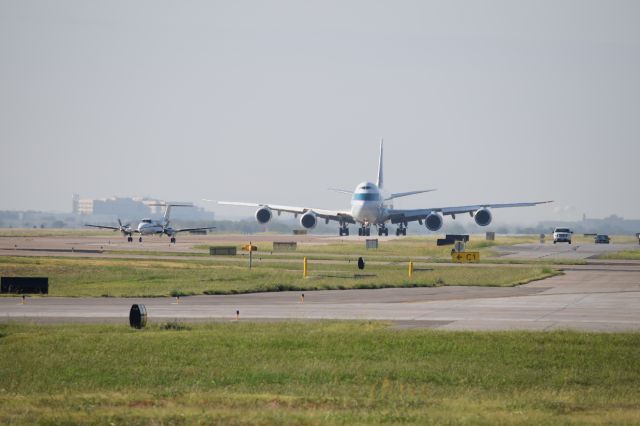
(602,239)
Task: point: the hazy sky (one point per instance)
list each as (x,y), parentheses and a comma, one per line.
(274,101)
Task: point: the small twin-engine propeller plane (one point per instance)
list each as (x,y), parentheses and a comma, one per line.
(370,207)
(152,227)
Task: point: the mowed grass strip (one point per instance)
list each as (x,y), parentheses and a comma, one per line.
(165,277)
(314,373)
(632,254)
(401,248)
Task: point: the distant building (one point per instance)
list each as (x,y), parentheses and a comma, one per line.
(75,204)
(134,208)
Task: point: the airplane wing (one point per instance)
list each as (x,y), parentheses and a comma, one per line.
(404,194)
(126,231)
(397,216)
(193,229)
(337,215)
(115,228)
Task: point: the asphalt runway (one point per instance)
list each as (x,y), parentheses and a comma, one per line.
(564,251)
(117,247)
(606,298)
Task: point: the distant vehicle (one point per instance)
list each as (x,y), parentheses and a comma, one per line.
(562,235)
(601,239)
(371,207)
(152,227)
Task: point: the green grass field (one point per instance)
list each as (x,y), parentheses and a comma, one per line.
(423,247)
(633,254)
(314,373)
(164,277)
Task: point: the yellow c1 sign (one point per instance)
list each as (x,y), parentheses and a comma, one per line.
(249,247)
(465,256)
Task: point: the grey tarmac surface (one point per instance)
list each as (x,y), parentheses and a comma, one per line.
(560,251)
(602,299)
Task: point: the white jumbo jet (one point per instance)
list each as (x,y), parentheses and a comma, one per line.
(370,207)
(152,227)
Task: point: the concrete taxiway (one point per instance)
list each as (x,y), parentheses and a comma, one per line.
(602,298)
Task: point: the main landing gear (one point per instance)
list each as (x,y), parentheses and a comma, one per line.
(364,231)
(173,240)
(129,239)
(401,230)
(140,239)
(383,230)
(343,231)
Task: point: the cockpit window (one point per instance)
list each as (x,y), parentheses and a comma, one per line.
(367,197)
(146,220)
(365,187)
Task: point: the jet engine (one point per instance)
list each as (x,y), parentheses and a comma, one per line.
(263,215)
(309,220)
(483,217)
(433,222)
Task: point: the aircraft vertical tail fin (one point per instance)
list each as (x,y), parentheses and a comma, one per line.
(380,180)
(167,213)
(166,216)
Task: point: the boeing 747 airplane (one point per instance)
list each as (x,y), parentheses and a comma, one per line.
(371,207)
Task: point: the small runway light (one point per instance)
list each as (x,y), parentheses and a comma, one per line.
(138,316)
(237,315)
(360,263)
(302,298)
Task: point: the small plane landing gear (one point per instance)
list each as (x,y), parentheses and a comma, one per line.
(173,240)
(344,231)
(129,239)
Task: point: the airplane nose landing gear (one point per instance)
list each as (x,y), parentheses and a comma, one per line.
(140,239)
(173,240)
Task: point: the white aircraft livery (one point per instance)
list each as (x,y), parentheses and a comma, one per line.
(370,207)
(152,227)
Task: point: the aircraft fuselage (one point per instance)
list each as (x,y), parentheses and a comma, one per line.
(149,227)
(367,204)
